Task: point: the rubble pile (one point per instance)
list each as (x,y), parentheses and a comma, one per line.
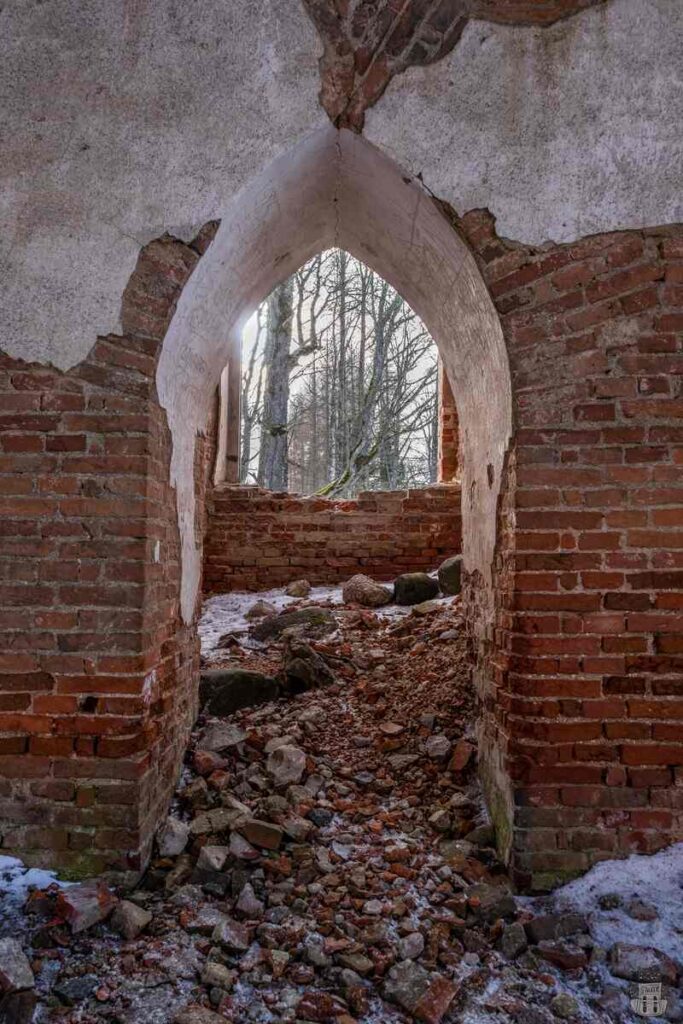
(327,859)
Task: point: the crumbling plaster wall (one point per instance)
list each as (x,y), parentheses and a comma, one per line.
(560,132)
(122,121)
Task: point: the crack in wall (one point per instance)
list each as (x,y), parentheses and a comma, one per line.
(366,45)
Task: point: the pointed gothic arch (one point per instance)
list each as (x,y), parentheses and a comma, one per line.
(336,189)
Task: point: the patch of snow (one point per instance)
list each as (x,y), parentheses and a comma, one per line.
(226,613)
(15,882)
(656,879)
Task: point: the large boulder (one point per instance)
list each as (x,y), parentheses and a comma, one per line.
(313,619)
(298,588)
(450,575)
(365,591)
(414,588)
(223,691)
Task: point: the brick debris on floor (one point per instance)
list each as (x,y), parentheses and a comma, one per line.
(327,858)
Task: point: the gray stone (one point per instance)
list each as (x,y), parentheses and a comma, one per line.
(205,920)
(410,947)
(303,669)
(641,963)
(172,837)
(298,588)
(438,746)
(320,620)
(212,858)
(641,911)
(76,990)
(493,902)
(414,587)
(357,962)
(129,919)
(242,849)
(15,969)
(231,935)
(286,765)
(248,904)
(223,691)
(555,926)
(215,975)
(564,1005)
(198,1015)
(363,590)
(405,984)
(426,607)
(513,940)
(260,609)
(450,575)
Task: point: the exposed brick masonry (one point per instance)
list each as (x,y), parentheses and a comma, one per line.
(588,703)
(97,672)
(259,539)
(584,710)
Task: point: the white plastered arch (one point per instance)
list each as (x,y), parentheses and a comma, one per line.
(336,189)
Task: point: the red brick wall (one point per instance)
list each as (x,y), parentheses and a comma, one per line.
(581,673)
(97,673)
(588,711)
(257,539)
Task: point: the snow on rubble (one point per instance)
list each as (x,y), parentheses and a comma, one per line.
(639,882)
(327,858)
(227,613)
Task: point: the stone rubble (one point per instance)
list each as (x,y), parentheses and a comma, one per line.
(327,861)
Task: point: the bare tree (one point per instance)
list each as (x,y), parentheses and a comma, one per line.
(353,405)
(252,389)
(272,470)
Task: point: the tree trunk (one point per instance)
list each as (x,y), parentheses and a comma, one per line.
(272,471)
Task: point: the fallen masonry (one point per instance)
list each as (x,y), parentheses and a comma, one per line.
(327,860)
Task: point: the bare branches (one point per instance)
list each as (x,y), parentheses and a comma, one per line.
(346,398)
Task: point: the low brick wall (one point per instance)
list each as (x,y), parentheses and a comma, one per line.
(258,539)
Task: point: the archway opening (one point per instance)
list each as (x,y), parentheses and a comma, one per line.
(335,387)
(335,190)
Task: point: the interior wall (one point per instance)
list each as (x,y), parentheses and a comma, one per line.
(258,539)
